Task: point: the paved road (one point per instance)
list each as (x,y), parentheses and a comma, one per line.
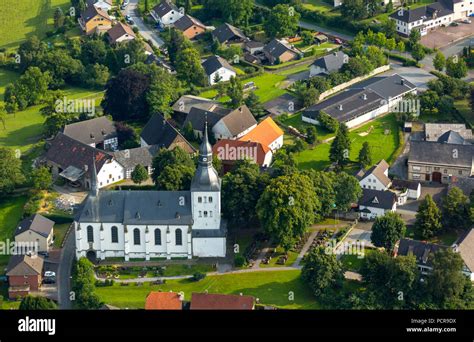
(311,26)
(145,31)
(64,271)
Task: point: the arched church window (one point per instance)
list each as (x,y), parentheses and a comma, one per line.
(210,213)
(205,214)
(90,234)
(114,233)
(178,237)
(158,237)
(210,199)
(136,236)
(200,213)
(199,199)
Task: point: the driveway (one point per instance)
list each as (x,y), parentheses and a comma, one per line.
(417,76)
(445,36)
(147,33)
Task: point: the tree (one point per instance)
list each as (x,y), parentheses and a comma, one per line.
(340,146)
(237,11)
(327,121)
(428,218)
(37,303)
(311,135)
(42,178)
(3,115)
(347,190)
(455,209)
(84,285)
(282,21)
(164,90)
(286,208)
(58,17)
(456,67)
(241,190)
(284,162)
(139,174)
(387,230)
(414,37)
(307,96)
(96,76)
(365,159)
(173,170)
(189,68)
(125,95)
(400,45)
(418,52)
(176,43)
(439,61)
(126,136)
(354,9)
(391,43)
(11,173)
(446,283)
(235,91)
(324,186)
(253,102)
(307,37)
(323,273)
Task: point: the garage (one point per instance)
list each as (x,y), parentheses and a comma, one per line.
(436,177)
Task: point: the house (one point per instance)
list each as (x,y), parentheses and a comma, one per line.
(229,151)
(253,47)
(166,13)
(225,124)
(266,133)
(75,162)
(466,249)
(131,158)
(376,178)
(105,5)
(405,190)
(24,274)
(439,162)
(99,132)
(190,26)
(451,133)
(182,107)
(376,203)
(362,102)
(164,301)
(34,234)
(208,301)
(218,70)
(321,38)
(279,51)
(430,17)
(228,34)
(329,63)
(95,20)
(423,251)
(120,33)
(160,133)
(155,224)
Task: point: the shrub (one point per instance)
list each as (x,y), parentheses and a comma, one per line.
(198,276)
(239,261)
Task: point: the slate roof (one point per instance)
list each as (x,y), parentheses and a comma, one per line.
(92,11)
(378,171)
(276,48)
(136,156)
(452,137)
(164,7)
(207,301)
(159,132)
(423,251)
(433,131)
(377,199)
(239,120)
(197,117)
(93,131)
(466,249)
(405,184)
(186,102)
(24,265)
(36,223)
(119,30)
(331,62)
(138,207)
(187,21)
(66,151)
(226,32)
(441,154)
(242,150)
(214,63)
(422,13)
(163,301)
(387,86)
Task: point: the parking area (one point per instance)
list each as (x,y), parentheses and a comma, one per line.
(443,36)
(358,235)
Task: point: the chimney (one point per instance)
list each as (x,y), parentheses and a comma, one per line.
(364,96)
(340,107)
(402,82)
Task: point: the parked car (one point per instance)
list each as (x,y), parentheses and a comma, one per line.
(454,23)
(49,280)
(44,254)
(49,274)
(466,21)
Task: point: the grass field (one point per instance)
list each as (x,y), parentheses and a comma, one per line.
(11,210)
(465,110)
(271,287)
(6,77)
(383,146)
(20,19)
(317,5)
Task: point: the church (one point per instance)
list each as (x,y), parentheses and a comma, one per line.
(155,224)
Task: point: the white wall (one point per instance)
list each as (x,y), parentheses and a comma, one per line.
(199,209)
(209,247)
(225,75)
(110,173)
(276,144)
(368,116)
(372,182)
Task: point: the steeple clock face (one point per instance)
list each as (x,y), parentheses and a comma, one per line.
(204,159)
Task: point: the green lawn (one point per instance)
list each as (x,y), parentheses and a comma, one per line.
(268,87)
(6,77)
(317,5)
(383,146)
(353,262)
(295,121)
(272,288)
(20,19)
(11,211)
(464,108)
(445,238)
(60,231)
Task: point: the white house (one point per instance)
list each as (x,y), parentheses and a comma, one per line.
(155,224)
(376,178)
(405,190)
(375,203)
(34,233)
(218,70)
(120,33)
(166,13)
(266,133)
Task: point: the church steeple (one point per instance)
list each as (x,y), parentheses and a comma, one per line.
(94,184)
(206,177)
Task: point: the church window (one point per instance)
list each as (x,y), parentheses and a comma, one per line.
(158,237)
(210,213)
(114,232)
(200,213)
(205,214)
(179,237)
(136,236)
(199,199)
(90,234)
(210,199)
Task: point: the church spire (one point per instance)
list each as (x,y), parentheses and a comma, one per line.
(94,186)
(206,177)
(205,150)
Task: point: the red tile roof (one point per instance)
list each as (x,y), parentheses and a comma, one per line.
(205,301)
(227,149)
(163,301)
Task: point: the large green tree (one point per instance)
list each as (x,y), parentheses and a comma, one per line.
(173,170)
(139,174)
(365,158)
(11,173)
(340,146)
(428,218)
(387,230)
(347,189)
(37,303)
(455,210)
(282,21)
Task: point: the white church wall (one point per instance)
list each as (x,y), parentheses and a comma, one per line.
(209,247)
(206,210)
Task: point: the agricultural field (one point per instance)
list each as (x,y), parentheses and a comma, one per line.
(25,18)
